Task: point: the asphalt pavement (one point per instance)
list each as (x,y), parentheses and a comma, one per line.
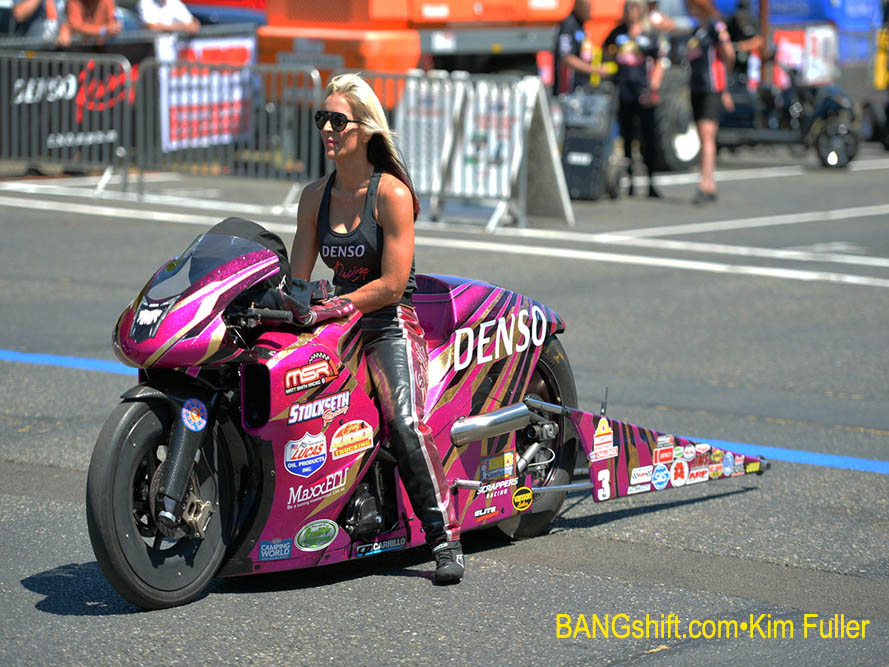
(761,320)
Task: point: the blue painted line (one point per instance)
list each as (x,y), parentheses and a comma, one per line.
(801,456)
(79,363)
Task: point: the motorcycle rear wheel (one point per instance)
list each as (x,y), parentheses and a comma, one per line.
(552,381)
(837,143)
(146,568)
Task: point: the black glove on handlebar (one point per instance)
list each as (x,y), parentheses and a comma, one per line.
(338,306)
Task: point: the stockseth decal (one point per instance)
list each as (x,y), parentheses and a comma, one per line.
(332,485)
(274,550)
(318,371)
(497,467)
(194,415)
(522,498)
(316,536)
(379,547)
(304,457)
(327,408)
(350,438)
(502,331)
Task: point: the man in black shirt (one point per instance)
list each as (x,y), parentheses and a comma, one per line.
(572,65)
(744,33)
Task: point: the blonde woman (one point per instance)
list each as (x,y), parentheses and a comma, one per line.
(360,220)
(638,50)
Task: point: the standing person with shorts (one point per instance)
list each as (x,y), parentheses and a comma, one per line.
(710,54)
(360,220)
(638,50)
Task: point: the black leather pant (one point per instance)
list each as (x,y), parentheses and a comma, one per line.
(637,121)
(396,359)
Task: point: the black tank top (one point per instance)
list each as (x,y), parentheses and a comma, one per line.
(356,256)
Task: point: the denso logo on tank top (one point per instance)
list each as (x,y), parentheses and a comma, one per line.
(348,262)
(343,250)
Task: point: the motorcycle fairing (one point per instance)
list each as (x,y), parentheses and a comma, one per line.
(626,459)
(483,344)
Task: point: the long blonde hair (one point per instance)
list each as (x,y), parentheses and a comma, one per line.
(381,150)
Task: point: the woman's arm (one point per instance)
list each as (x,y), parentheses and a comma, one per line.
(395,214)
(304,251)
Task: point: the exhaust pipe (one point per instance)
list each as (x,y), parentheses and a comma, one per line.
(491,424)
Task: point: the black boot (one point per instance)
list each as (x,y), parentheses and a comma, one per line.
(449,567)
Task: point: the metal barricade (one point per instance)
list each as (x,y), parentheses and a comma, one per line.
(252,121)
(71,110)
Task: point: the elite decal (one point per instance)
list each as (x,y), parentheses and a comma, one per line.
(502,332)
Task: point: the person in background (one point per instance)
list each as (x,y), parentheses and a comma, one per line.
(167,16)
(43,19)
(638,50)
(94,19)
(660,21)
(709,53)
(743,30)
(573,52)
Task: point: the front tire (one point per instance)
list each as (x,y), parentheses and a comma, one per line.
(551,381)
(146,568)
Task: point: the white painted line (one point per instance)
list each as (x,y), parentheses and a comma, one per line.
(868,165)
(78,181)
(128,214)
(657,262)
(724,175)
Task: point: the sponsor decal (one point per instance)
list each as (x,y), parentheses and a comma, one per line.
(689,452)
(327,408)
(698,475)
(752,467)
(304,457)
(497,467)
(274,549)
(194,415)
(701,459)
(663,455)
(728,464)
(716,455)
(380,546)
(318,371)
(666,441)
(677,452)
(332,485)
(702,448)
(660,477)
(522,498)
(715,470)
(739,465)
(531,327)
(638,488)
(497,488)
(641,475)
(350,438)
(316,536)
(343,251)
(485,512)
(679,473)
(603,442)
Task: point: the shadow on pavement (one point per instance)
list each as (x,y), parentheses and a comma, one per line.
(77,589)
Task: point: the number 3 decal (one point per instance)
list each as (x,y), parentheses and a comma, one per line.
(604,490)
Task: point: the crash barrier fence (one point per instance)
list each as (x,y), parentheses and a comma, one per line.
(72,110)
(468,138)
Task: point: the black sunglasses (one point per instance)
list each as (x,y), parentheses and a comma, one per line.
(338,121)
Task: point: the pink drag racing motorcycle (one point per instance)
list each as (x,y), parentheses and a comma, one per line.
(254,445)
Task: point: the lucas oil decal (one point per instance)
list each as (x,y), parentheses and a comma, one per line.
(317,371)
(501,332)
(305,456)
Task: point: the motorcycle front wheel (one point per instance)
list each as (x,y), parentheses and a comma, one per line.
(151,570)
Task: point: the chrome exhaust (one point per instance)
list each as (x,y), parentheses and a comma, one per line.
(490,424)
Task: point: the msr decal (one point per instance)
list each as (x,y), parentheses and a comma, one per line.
(327,408)
(318,371)
(502,332)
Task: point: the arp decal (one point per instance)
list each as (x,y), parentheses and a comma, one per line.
(497,467)
(531,327)
(327,408)
(522,498)
(317,371)
(696,475)
(304,457)
(316,536)
(350,438)
(194,415)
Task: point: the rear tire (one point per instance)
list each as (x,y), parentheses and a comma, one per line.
(551,381)
(837,143)
(147,569)
(679,145)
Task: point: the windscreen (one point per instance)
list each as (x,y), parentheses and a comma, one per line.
(206,253)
